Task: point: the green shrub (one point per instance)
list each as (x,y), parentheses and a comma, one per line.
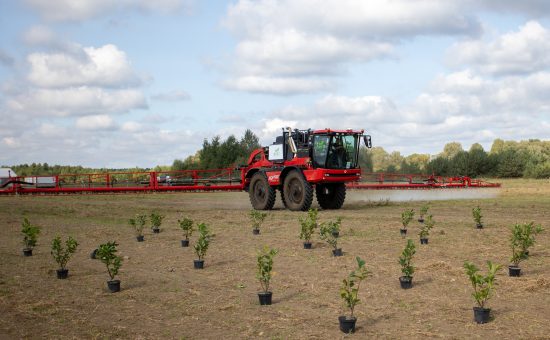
(63,254)
(156,220)
(265,267)
(405,260)
(527,233)
(482,285)
(186,225)
(406,217)
(308,225)
(329,230)
(476,213)
(257,218)
(423,210)
(107,254)
(350,286)
(427,226)
(138,223)
(30,234)
(204,240)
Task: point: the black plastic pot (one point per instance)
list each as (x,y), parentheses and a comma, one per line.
(62,273)
(114,286)
(307,245)
(514,271)
(265,298)
(403,232)
(185,243)
(481,315)
(140,238)
(479,226)
(27,252)
(256,231)
(347,324)
(93,254)
(156,230)
(198,264)
(337,252)
(423,241)
(421,220)
(406,282)
(335,234)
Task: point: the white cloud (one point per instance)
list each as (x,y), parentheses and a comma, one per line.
(96,122)
(77,101)
(522,52)
(104,66)
(172,96)
(289,47)
(79,10)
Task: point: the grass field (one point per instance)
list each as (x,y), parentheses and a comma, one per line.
(162,295)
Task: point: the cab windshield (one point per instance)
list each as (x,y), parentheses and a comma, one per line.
(336,151)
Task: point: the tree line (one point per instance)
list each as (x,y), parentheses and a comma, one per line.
(529,159)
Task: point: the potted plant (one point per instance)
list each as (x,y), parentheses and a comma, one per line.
(156,221)
(308,225)
(483,287)
(107,254)
(63,254)
(528,233)
(349,293)
(265,266)
(476,213)
(30,236)
(202,245)
(186,226)
(406,266)
(406,218)
(423,212)
(138,223)
(257,218)
(425,229)
(329,231)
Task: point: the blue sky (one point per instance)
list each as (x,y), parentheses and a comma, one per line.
(139,83)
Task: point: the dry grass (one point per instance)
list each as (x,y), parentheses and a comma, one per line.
(164,297)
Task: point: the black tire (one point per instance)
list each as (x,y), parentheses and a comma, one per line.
(331,196)
(262,196)
(283,197)
(298,193)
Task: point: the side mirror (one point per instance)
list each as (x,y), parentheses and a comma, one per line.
(367,141)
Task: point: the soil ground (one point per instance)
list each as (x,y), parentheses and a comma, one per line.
(162,295)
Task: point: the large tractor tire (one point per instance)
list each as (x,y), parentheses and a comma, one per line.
(297,191)
(331,195)
(262,196)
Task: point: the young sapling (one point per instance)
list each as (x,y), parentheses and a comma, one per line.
(30,236)
(156,221)
(329,231)
(138,223)
(483,288)
(186,225)
(405,260)
(264,274)
(406,218)
(349,292)
(308,225)
(476,213)
(62,254)
(107,254)
(257,218)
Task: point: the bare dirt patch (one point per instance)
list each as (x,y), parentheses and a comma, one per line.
(162,295)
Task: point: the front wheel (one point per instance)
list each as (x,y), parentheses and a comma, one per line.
(262,196)
(297,191)
(331,195)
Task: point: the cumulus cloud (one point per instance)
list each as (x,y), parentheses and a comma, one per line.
(522,52)
(291,47)
(79,10)
(103,66)
(96,122)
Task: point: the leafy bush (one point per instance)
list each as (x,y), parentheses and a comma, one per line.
(107,254)
(308,225)
(156,220)
(406,258)
(257,218)
(30,234)
(138,223)
(329,230)
(350,286)
(406,217)
(423,210)
(61,254)
(204,240)
(265,267)
(186,225)
(526,235)
(482,285)
(427,226)
(476,213)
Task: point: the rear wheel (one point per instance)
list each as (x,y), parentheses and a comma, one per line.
(262,196)
(297,192)
(331,195)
